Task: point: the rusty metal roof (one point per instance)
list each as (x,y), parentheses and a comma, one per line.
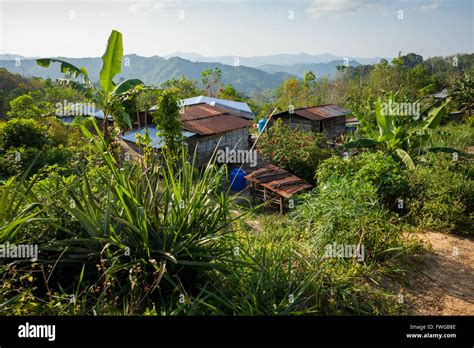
(278,180)
(318,113)
(207,120)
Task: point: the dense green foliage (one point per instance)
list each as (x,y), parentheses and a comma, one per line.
(295,150)
(441,199)
(347,211)
(167,119)
(376,168)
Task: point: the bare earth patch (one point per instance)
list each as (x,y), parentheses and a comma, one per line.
(442,282)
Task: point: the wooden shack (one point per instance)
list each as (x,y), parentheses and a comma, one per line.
(215,128)
(329,118)
(275,186)
(205,128)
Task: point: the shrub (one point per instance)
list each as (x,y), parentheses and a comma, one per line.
(15,161)
(297,151)
(441,199)
(23,133)
(376,168)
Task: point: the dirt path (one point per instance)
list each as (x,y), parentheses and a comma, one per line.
(442,282)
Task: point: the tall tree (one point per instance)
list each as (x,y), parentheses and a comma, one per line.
(23,107)
(211,80)
(182,87)
(168,120)
(230,93)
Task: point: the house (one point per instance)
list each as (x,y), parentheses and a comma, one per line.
(440,95)
(128,140)
(67,113)
(215,127)
(240,109)
(205,128)
(328,118)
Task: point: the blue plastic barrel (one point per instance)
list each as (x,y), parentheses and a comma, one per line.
(261,124)
(237,179)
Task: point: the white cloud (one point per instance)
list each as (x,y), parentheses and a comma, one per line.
(151,6)
(321,7)
(430,6)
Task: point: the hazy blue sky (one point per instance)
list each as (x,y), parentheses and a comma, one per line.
(238,27)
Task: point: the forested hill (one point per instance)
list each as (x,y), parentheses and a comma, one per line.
(156,70)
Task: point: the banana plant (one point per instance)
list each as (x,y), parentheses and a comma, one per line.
(108,96)
(399,140)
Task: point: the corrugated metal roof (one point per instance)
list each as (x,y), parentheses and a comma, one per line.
(207,120)
(157,142)
(216,124)
(81,109)
(238,108)
(200,111)
(278,180)
(441,95)
(318,113)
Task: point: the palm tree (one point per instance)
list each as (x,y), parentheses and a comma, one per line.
(108,96)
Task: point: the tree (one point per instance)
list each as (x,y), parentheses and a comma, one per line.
(211,80)
(463,94)
(168,121)
(108,96)
(230,93)
(411,60)
(11,85)
(182,87)
(309,79)
(290,93)
(23,107)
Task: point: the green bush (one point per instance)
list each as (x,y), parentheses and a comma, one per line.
(15,161)
(382,171)
(441,199)
(23,133)
(295,150)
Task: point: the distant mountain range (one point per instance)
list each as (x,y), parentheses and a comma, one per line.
(156,70)
(319,69)
(275,59)
(247,74)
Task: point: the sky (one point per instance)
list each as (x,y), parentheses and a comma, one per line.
(353,28)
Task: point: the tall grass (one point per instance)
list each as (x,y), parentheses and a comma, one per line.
(346,211)
(458,136)
(15,211)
